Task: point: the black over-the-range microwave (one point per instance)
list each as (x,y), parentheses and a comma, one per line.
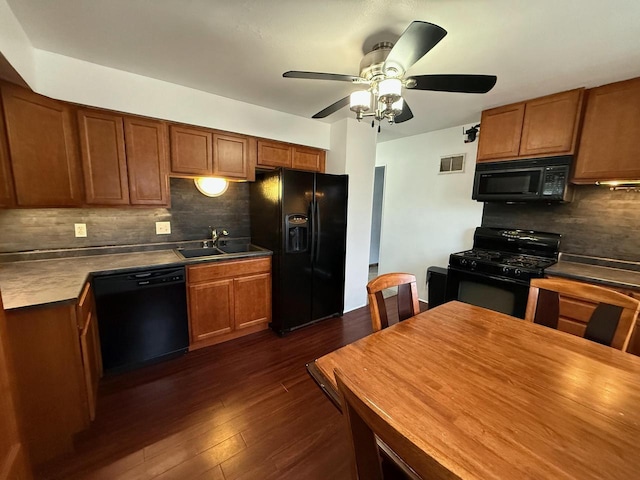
(541,179)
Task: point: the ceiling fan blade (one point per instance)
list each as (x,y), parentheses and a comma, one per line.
(406,114)
(454,83)
(413,44)
(334,107)
(321,76)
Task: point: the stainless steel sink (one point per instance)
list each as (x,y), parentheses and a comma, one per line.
(198,252)
(240,248)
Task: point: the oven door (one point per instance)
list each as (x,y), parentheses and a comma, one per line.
(495,293)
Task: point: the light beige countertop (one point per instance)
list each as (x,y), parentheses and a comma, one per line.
(614,273)
(39,282)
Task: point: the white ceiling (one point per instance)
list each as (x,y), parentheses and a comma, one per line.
(239,49)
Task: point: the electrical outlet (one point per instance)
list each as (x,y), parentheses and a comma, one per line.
(163,228)
(81,229)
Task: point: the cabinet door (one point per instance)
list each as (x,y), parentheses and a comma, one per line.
(89,346)
(308,159)
(146,146)
(104,161)
(12,451)
(230,156)
(191,151)
(252,300)
(274,154)
(609,148)
(42,140)
(500,132)
(551,124)
(51,396)
(7,196)
(210,309)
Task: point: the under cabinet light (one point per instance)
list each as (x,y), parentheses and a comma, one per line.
(211,186)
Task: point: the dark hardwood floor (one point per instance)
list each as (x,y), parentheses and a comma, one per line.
(245,409)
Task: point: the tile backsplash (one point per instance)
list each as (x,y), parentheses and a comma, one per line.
(598,222)
(191,214)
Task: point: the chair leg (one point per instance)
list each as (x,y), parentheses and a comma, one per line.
(365,458)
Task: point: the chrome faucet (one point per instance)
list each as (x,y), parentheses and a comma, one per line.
(215,236)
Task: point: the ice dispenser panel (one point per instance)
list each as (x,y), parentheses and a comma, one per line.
(297,227)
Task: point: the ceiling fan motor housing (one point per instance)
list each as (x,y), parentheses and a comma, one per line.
(371,65)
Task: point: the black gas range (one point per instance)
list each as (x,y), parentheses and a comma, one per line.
(496,272)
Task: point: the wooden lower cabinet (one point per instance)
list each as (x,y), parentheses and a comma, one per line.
(575,313)
(13,458)
(228,300)
(89,346)
(55,351)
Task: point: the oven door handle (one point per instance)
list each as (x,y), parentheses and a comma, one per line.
(492,277)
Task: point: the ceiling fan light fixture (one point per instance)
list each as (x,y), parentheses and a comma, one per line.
(390,90)
(360,101)
(397,106)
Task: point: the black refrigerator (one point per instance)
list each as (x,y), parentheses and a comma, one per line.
(302,217)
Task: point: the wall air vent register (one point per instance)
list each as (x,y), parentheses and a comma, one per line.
(452,163)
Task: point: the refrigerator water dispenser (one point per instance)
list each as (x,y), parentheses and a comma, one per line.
(297,227)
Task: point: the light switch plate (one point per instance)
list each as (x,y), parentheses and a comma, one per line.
(80,229)
(163,228)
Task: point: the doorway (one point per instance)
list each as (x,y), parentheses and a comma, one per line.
(376,221)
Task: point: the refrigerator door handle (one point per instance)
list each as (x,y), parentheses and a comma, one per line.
(313,228)
(317,219)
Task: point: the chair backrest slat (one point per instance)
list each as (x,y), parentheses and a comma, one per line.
(612,321)
(408,303)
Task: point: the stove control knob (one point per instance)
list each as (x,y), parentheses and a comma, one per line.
(474,264)
(517,272)
(463,262)
(505,270)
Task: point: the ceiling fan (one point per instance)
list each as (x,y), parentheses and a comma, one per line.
(382,74)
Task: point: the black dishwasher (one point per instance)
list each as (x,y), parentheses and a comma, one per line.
(142,317)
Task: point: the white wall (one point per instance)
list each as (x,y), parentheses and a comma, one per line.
(74,80)
(78,81)
(15,45)
(426,216)
(353,151)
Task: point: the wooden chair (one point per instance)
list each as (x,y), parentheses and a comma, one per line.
(365,425)
(611,323)
(408,305)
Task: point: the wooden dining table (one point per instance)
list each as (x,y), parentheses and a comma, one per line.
(489,396)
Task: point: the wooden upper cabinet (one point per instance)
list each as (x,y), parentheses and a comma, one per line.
(230,155)
(191,151)
(274,154)
(308,159)
(609,148)
(551,124)
(500,132)
(104,160)
(541,127)
(279,154)
(7,195)
(146,147)
(203,152)
(42,138)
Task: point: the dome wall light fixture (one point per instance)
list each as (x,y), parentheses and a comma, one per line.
(211,186)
